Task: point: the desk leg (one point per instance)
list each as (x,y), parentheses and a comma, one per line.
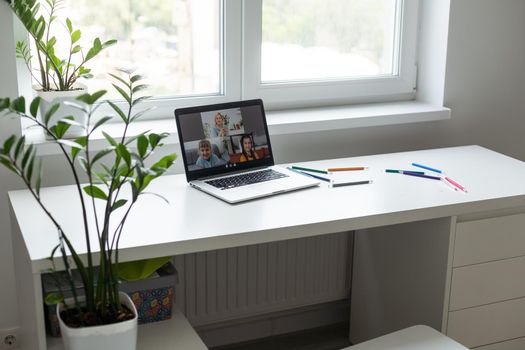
(29,292)
(399,277)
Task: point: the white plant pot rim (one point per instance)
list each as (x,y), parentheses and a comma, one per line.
(51,95)
(107,329)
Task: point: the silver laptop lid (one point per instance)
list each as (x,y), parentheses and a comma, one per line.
(223,138)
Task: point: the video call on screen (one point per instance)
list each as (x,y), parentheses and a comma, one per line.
(224,138)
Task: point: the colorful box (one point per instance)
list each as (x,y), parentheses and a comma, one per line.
(153,297)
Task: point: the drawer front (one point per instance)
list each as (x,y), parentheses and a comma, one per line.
(487,283)
(489,239)
(488,324)
(514,344)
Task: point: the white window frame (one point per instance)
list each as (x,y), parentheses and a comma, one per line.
(329,91)
(240,60)
(230,21)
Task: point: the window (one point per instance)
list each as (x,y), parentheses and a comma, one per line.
(311,52)
(291,53)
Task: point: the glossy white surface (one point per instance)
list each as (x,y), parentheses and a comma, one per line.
(195,221)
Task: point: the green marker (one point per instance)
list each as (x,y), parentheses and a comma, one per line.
(310,170)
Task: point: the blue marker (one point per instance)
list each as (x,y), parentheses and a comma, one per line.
(427,168)
(310,175)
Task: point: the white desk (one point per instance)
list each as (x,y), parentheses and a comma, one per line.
(194,221)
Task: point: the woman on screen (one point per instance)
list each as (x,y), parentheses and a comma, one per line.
(248,152)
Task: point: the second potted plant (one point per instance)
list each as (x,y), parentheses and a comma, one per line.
(56,79)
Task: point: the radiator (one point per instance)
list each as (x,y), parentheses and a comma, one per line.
(234,283)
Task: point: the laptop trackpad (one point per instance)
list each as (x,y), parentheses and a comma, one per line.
(269,187)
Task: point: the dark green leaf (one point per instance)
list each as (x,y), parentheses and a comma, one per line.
(101,122)
(8,144)
(19,104)
(124,153)
(165,162)
(38,181)
(154,140)
(142,145)
(82,140)
(139,88)
(109,43)
(50,113)
(141,113)
(33,108)
(121,80)
(61,128)
(110,139)
(140,99)
(54,299)
(30,166)
(136,78)
(118,204)
(123,93)
(101,154)
(119,111)
(95,192)
(19,147)
(8,164)
(27,156)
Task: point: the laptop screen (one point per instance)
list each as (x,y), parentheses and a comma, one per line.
(223,138)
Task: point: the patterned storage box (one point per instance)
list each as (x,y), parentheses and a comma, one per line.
(153,297)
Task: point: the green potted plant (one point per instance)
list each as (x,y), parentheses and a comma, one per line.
(124,166)
(56,78)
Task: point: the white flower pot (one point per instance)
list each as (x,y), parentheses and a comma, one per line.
(116,336)
(51,97)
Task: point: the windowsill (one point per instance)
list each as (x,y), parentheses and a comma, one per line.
(283,122)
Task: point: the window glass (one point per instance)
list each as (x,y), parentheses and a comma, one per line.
(328,39)
(176,44)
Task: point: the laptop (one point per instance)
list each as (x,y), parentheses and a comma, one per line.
(227,152)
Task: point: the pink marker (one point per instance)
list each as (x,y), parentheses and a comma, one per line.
(455,184)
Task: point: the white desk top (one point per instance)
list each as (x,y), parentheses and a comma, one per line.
(195,221)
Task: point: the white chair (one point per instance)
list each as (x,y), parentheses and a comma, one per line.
(412,338)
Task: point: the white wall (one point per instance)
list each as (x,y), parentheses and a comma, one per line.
(484,87)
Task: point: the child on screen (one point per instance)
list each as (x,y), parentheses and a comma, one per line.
(207,158)
(248,152)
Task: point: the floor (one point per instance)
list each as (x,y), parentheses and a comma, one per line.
(326,338)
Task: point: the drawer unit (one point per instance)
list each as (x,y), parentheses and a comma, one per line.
(486,283)
(489,239)
(488,324)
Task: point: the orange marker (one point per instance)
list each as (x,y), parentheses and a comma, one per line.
(347,169)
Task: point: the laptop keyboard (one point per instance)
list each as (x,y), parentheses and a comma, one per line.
(246,179)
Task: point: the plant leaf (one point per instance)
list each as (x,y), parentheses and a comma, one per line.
(139,88)
(124,153)
(121,80)
(19,147)
(142,145)
(75,36)
(50,113)
(123,93)
(33,108)
(70,143)
(82,141)
(95,192)
(110,139)
(8,144)
(101,122)
(54,299)
(19,104)
(101,154)
(118,204)
(119,111)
